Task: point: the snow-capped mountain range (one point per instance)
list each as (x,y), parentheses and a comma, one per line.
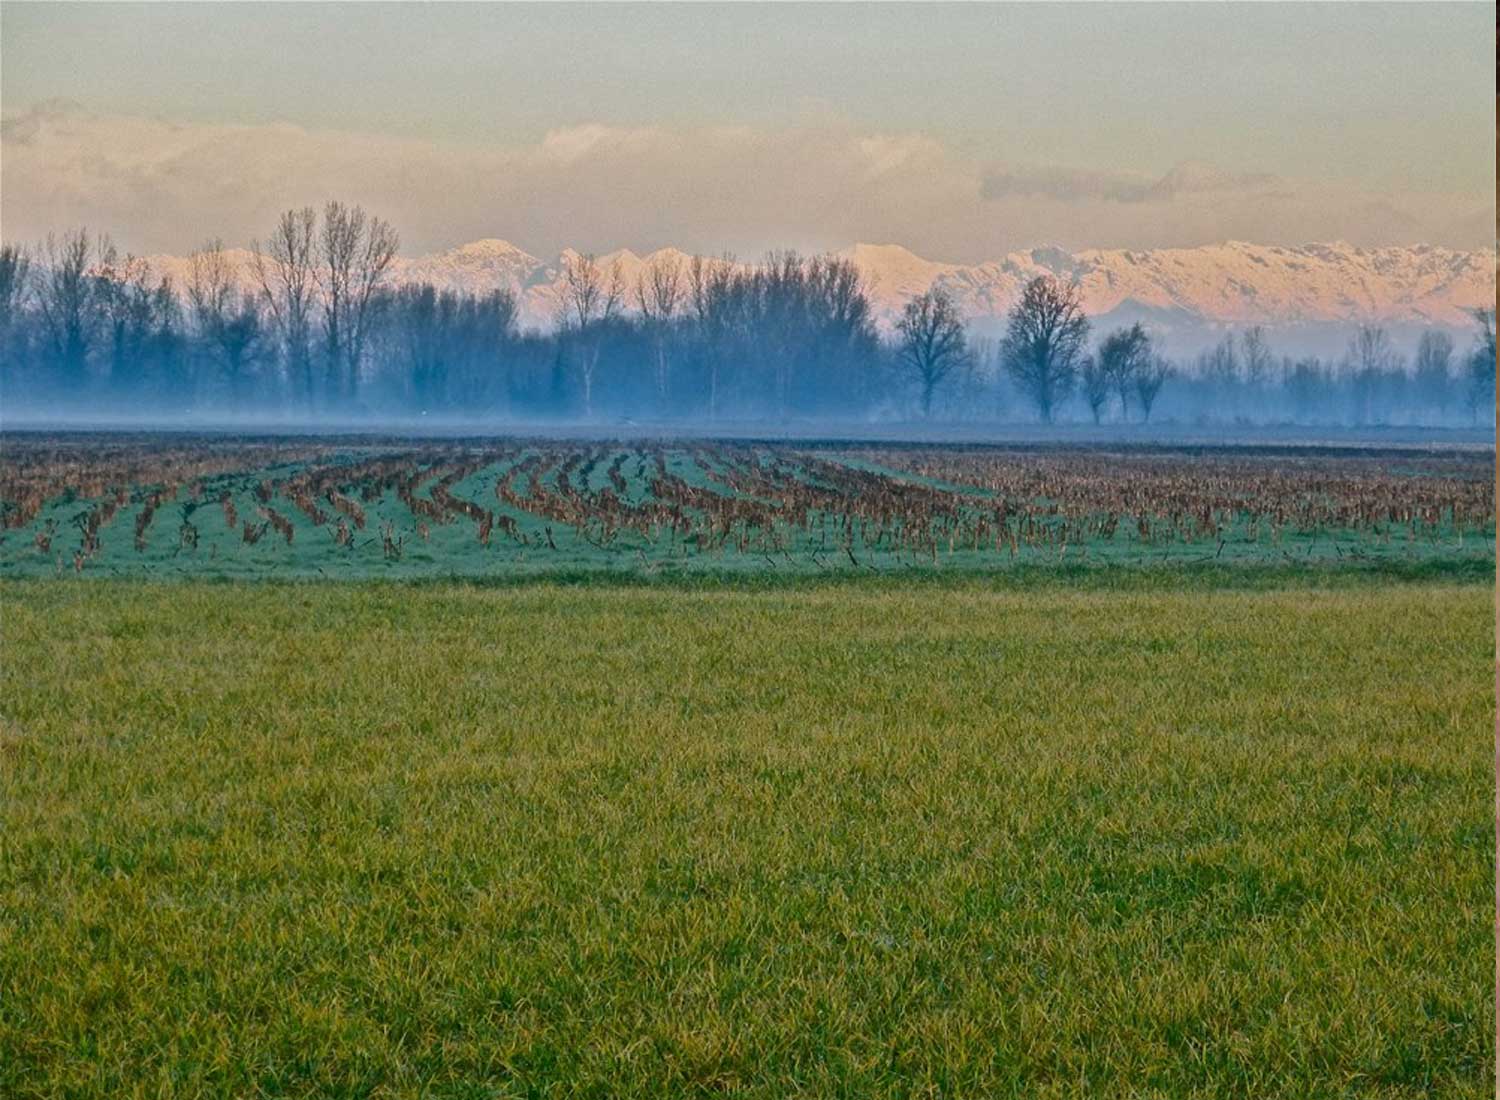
(1188,294)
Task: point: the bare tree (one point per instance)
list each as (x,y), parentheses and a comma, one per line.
(339,240)
(63,296)
(1434,369)
(15,283)
(1221,364)
(845,303)
(1309,383)
(779,288)
(1255,355)
(1370,356)
(1480,390)
(357,252)
(285,272)
(450,346)
(591,298)
(1095,383)
(227,319)
(127,305)
(1045,342)
(1149,379)
(15,290)
(700,278)
(591,294)
(932,342)
(658,292)
(1370,349)
(711,294)
(1122,355)
(211,284)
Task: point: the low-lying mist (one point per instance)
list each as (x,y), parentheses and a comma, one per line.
(786,348)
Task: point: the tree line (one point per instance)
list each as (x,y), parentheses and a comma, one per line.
(317,328)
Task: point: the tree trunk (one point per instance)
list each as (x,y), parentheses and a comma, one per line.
(661,373)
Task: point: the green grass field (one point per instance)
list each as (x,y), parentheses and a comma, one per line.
(960,839)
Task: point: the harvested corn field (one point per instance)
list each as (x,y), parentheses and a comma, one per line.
(215,506)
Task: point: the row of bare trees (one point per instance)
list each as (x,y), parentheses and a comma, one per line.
(76,303)
(1125,365)
(312,323)
(98,316)
(328,274)
(791,335)
(1372,382)
(1044,358)
(1044,354)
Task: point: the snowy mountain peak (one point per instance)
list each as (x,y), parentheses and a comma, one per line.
(491,246)
(1182,290)
(487,264)
(894,273)
(888,255)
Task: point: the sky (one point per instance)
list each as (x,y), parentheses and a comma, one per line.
(960,131)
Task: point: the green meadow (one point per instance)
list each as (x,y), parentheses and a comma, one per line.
(964,838)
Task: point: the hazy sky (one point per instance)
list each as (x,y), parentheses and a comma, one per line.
(959,131)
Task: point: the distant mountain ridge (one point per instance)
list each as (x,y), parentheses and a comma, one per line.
(1185,292)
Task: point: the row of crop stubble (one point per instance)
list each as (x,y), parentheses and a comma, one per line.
(299,507)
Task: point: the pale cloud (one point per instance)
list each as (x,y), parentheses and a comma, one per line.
(1082,185)
(574,143)
(162,186)
(1064,184)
